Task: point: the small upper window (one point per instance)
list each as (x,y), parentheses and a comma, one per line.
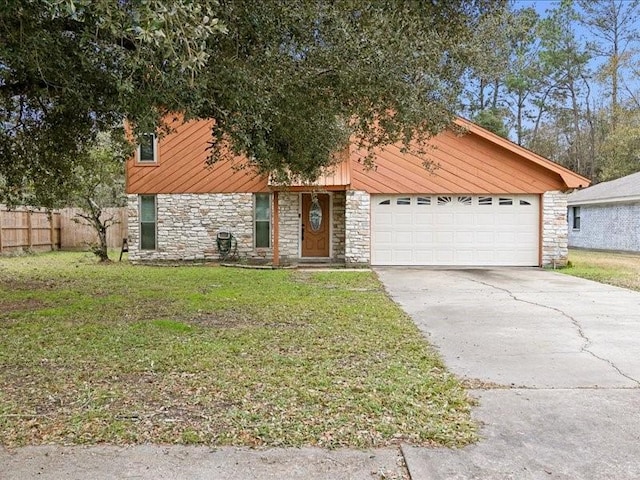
(505,201)
(424,200)
(385,202)
(576,218)
(148,150)
(403,201)
(444,200)
(485,201)
(524,202)
(464,200)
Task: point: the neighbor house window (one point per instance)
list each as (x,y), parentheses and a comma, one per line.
(262,220)
(147,222)
(576,218)
(148,149)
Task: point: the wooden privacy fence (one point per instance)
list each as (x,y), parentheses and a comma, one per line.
(76,235)
(25,228)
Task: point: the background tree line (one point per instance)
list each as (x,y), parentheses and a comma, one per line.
(565,84)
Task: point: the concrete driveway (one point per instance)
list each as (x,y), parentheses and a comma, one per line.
(557,360)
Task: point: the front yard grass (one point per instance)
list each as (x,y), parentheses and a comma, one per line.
(209,355)
(614,268)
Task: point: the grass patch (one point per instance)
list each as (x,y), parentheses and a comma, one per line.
(619,269)
(118,354)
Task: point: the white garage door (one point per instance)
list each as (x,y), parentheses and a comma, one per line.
(455,230)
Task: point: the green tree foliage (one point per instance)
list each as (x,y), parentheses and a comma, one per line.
(562,101)
(493,120)
(97,183)
(287,83)
(619,150)
(69,69)
(612,23)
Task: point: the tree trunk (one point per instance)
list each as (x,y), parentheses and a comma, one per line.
(101,249)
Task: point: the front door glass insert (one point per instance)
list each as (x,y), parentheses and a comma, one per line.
(315,214)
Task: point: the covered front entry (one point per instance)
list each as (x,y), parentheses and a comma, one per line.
(316,225)
(463,230)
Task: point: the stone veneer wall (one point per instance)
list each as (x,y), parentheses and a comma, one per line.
(613,226)
(187,225)
(357,227)
(338,240)
(554,229)
(289,209)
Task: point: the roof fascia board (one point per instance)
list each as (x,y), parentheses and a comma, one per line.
(629,199)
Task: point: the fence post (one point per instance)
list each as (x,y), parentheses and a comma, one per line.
(29,230)
(0,231)
(51,232)
(59,230)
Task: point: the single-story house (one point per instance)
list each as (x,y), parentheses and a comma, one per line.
(606,216)
(485,202)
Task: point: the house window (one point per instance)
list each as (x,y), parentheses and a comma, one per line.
(505,201)
(262,220)
(485,201)
(403,201)
(576,218)
(424,200)
(148,222)
(148,149)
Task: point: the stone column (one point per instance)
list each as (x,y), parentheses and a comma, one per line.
(357,228)
(555,229)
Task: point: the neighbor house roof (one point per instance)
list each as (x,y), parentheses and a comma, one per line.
(625,189)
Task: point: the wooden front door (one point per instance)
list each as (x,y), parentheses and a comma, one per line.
(316,219)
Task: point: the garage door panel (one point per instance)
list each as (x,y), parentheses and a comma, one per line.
(403,256)
(444,219)
(465,219)
(485,218)
(453,230)
(384,237)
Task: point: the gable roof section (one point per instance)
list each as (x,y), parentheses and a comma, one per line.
(476,161)
(625,189)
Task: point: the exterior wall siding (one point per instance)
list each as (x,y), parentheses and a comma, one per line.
(187,225)
(555,249)
(338,238)
(607,227)
(357,228)
(289,210)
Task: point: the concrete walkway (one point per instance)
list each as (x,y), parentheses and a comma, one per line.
(567,349)
(155,462)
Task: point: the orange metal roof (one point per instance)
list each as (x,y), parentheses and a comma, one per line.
(334,177)
(474,162)
(182,167)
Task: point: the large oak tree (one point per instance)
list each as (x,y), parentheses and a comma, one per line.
(287,83)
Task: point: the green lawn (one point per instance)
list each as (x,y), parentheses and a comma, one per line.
(614,268)
(208,355)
